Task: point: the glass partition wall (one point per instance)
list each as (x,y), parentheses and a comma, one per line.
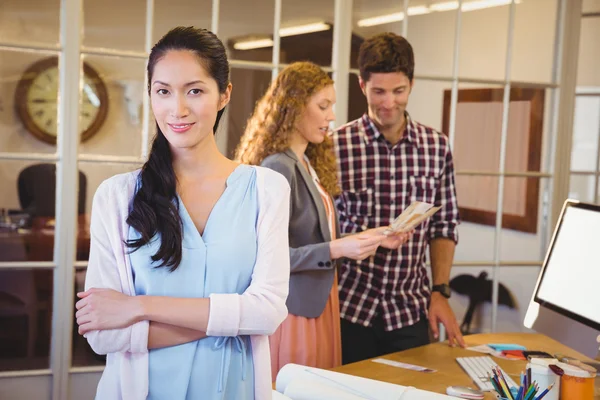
(74,111)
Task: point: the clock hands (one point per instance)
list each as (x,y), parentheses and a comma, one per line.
(91,95)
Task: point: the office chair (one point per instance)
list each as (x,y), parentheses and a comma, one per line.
(37,190)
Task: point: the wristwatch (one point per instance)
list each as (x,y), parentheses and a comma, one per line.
(444,289)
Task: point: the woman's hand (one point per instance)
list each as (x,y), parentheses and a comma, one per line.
(103,309)
(358,246)
(395,240)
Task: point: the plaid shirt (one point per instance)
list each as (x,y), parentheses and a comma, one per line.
(378,181)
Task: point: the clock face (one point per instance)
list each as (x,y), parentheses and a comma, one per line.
(36,101)
(41,100)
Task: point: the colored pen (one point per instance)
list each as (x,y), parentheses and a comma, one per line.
(549,388)
(504,385)
(529,392)
(496,387)
(520,393)
(497,383)
(535,391)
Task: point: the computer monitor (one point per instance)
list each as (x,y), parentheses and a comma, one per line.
(566,300)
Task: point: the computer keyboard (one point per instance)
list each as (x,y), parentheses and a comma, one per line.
(479,369)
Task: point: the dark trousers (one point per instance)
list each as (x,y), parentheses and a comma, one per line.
(360,342)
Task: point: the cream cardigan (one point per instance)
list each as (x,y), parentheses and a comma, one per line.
(257,312)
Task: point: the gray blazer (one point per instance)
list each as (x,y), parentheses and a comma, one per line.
(312,269)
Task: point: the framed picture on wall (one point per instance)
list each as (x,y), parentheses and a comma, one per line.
(478,132)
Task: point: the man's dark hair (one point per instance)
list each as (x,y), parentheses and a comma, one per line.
(386,52)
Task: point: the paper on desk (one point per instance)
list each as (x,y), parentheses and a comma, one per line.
(484,348)
(410,218)
(403,365)
(294,380)
(304,389)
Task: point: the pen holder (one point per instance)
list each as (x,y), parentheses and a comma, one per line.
(544,378)
(574,387)
(513,392)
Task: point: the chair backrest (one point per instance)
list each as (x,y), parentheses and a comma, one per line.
(37,190)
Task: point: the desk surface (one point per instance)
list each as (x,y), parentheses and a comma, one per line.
(441,357)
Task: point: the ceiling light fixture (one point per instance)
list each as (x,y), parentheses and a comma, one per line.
(434,7)
(253,44)
(283,32)
(446,6)
(302,29)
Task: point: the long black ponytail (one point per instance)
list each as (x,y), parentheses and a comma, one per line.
(155,209)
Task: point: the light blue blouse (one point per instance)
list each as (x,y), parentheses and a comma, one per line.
(221,260)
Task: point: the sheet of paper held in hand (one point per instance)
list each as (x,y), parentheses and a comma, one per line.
(410,218)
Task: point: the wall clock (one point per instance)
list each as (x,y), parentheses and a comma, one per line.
(37,94)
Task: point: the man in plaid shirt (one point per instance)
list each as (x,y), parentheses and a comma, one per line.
(386,161)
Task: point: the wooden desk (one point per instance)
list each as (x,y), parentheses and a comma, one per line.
(441,357)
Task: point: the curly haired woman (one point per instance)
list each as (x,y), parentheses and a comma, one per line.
(288,133)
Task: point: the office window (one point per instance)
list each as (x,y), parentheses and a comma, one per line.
(171,13)
(112,121)
(532,58)
(432,36)
(28,22)
(29,101)
(246,29)
(249,85)
(28,211)
(306,32)
(116,47)
(25,319)
(114,24)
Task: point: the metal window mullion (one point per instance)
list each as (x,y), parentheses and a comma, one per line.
(145,98)
(222,133)
(482,81)
(455,67)
(565,106)
(582,173)
(108,159)
(104,52)
(276,39)
(27,265)
(87,370)
(71,20)
(597,175)
(254,65)
(214,21)
(29,157)
(30,48)
(551,145)
(502,165)
(24,373)
(517,263)
(340,57)
(526,174)
(587,91)
(405,19)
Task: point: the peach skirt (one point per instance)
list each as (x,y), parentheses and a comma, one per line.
(314,342)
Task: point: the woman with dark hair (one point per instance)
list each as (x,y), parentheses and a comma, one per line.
(189,265)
